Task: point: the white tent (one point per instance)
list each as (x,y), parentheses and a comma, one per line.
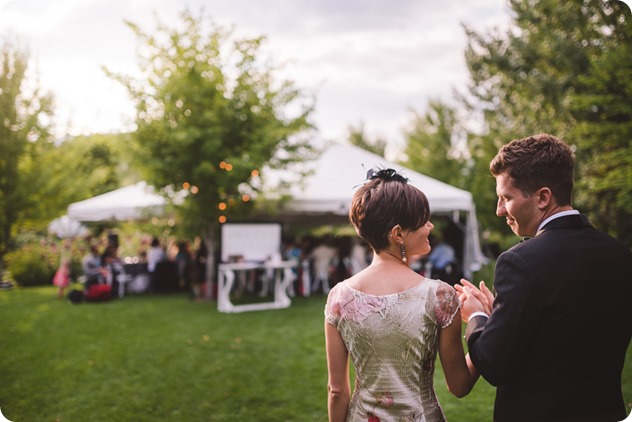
(67,228)
(326,190)
(128,203)
(341,168)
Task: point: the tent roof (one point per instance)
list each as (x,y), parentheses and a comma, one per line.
(129,202)
(342,168)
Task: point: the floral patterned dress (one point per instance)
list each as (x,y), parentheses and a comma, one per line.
(392,341)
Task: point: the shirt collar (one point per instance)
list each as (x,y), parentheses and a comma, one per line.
(556,215)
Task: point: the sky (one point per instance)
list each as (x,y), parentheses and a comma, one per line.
(369,62)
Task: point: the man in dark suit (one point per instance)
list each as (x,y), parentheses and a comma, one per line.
(553,340)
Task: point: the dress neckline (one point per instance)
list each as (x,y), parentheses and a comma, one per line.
(416,286)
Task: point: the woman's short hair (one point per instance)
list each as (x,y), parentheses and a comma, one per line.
(535,162)
(384,201)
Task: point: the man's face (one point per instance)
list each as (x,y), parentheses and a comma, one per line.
(522,213)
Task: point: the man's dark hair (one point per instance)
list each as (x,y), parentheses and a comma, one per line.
(535,162)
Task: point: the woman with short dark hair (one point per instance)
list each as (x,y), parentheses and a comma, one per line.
(388,319)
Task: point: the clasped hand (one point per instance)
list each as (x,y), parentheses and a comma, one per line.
(474,300)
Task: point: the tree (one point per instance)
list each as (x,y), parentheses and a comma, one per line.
(82,167)
(211,115)
(540,76)
(602,108)
(431,144)
(25,132)
(359,138)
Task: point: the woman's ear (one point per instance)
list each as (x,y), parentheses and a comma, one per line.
(397,234)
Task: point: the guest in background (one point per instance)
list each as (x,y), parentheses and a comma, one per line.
(184,264)
(112,270)
(155,255)
(442,260)
(199,267)
(359,256)
(91,266)
(293,252)
(62,275)
(342,261)
(324,257)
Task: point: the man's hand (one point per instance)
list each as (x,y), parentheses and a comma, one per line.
(484,295)
(473,299)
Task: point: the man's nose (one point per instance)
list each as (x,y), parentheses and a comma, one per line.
(500,209)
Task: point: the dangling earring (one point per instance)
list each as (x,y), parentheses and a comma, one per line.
(403,251)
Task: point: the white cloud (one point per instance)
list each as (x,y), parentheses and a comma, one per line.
(366,60)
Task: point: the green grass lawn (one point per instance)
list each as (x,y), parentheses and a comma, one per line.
(166,358)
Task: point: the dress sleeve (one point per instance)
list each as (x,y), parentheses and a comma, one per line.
(447,304)
(332,307)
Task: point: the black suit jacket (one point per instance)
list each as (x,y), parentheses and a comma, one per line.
(556,340)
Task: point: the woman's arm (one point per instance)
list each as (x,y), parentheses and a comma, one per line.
(338,388)
(460,374)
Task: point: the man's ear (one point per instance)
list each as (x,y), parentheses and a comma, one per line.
(545,198)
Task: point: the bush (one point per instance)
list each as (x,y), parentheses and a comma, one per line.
(32,265)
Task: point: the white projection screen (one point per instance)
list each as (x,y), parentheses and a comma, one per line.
(255,242)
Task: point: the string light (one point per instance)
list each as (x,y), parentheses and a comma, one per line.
(245,197)
(222,219)
(222,206)
(186,185)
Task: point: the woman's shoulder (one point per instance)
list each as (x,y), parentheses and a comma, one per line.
(446,302)
(338,288)
(383,284)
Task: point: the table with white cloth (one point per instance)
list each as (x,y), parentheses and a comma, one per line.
(137,277)
(282,275)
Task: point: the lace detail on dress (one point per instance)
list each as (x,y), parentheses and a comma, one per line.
(342,303)
(447,304)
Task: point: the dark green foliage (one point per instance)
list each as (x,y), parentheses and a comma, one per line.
(32,265)
(359,138)
(433,146)
(82,167)
(25,133)
(602,106)
(564,67)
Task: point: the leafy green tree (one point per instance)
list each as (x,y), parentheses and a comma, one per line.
(541,76)
(602,108)
(432,146)
(82,167)
(211,116)
(358,137)
(25,132)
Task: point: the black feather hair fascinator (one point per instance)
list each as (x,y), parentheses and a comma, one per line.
(387,175)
